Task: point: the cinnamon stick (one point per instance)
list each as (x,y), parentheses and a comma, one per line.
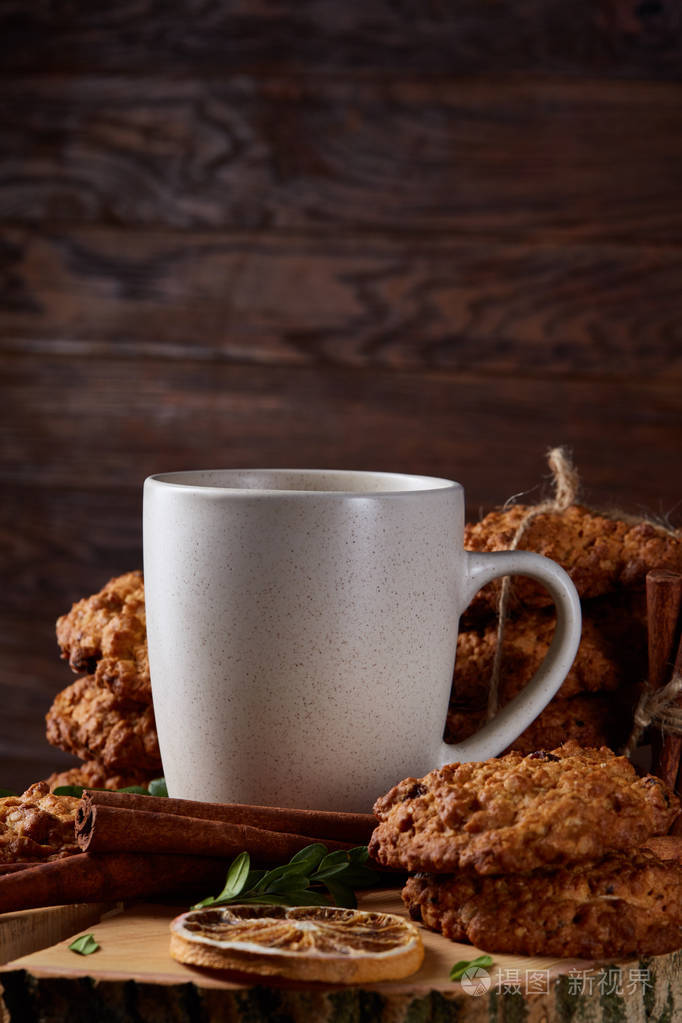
(355,828)
(101,828)
(664,604)
(101,877)
(12,868)
(664,609)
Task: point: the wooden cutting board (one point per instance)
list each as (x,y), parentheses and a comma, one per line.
(133,972)
(23,933)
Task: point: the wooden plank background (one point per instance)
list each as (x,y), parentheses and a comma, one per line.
(425,237)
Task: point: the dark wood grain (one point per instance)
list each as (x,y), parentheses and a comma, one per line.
(384,302)
(517,159)
(31,674)
(62,542)
(606,37)
(89,431)
(100,426)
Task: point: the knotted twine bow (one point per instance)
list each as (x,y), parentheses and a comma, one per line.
(657,707)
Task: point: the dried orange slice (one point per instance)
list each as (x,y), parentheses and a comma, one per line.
(339,946)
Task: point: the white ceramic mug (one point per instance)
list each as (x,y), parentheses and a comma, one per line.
(302,627)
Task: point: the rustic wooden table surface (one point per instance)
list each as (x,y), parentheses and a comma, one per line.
(133,976)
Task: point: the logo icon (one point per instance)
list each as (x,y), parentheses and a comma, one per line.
(475,981)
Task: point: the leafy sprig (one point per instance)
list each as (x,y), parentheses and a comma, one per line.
(300,882)
(156,787)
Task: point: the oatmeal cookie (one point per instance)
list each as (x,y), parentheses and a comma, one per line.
(621,906)
(516,814)
(88,720)
(666,847)
(106,635)
(594,719)
(600,554)
(612,652)
(37,826)
(92,775)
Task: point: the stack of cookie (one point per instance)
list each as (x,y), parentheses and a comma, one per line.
(607,559)
(105,718)
(537,855)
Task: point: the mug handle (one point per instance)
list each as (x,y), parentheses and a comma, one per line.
(518,714)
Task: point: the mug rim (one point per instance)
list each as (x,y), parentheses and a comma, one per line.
(187,481)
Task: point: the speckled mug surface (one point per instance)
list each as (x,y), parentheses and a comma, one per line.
(302,627)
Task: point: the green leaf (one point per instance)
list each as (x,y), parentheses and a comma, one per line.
(254,878)
(158,787)
(140,790)
(6,792)
(288,883)
(460,968)
(342,894)
(322,874)
(236,876)
(210,900)
(285,870)
(310,855)
(360,877)
(68,790)
(235,881)
(85,945)
(334,858)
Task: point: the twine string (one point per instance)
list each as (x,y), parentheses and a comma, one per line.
(566,485)
(657,707)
